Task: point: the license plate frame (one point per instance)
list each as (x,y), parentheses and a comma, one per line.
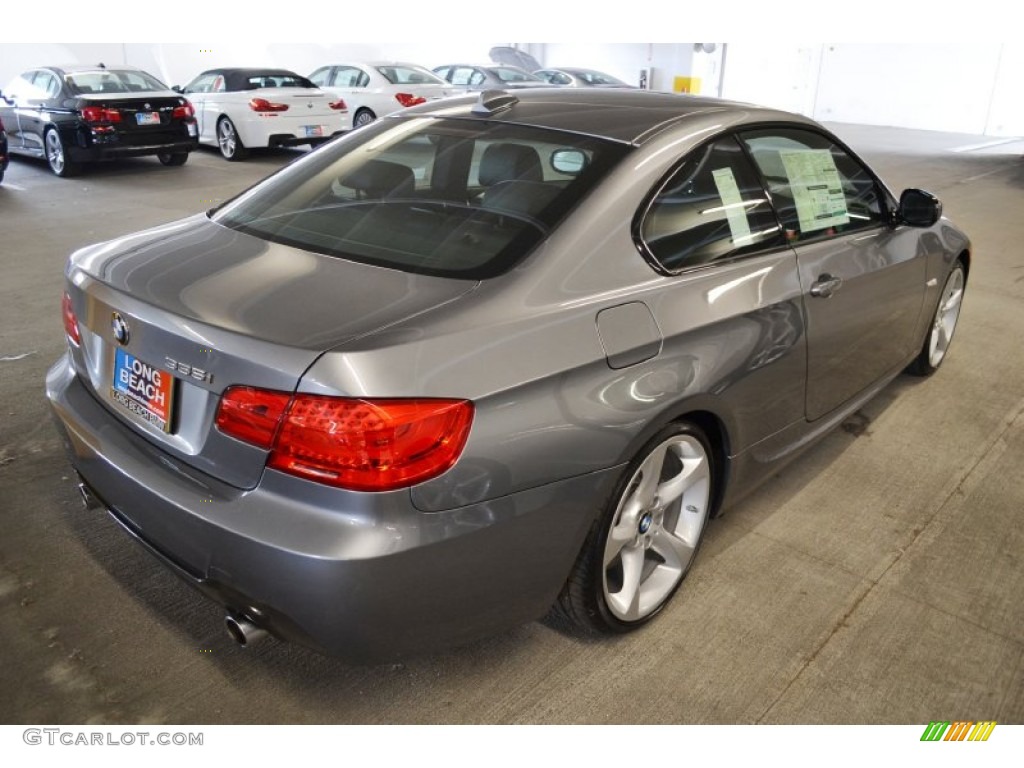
(143,389)
(313,131)
(147,118)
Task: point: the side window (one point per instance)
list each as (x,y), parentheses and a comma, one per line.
(477,77)
(819,190)
(201,84)
(320,76)
(24,90)
(712,207)
(47,85)
(350,77)
(463,75)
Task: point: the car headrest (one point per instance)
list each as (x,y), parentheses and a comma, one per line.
(509,162)
(380,178)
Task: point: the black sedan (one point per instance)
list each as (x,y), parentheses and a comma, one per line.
(76,114)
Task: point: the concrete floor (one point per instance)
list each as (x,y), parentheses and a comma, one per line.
(877,580)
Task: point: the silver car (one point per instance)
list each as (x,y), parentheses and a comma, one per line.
(491,356)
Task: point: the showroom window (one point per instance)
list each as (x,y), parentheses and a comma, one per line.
(711,208)
(819,190)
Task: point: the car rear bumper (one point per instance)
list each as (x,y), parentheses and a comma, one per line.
(286,130)
(371,579)
(96,151)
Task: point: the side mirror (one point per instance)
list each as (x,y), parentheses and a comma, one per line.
(177,89)
(570,162)
(919,208)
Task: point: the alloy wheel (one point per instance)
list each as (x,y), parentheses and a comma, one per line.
(656,528)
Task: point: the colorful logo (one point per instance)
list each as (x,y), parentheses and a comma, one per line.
(959,730)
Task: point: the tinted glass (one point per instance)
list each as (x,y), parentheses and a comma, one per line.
(818,189)
(273,80)
(112,81)
(711,208)
(457,198)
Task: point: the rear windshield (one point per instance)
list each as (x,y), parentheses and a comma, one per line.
(254,80)
(451,197)
(113,81)
(399,74)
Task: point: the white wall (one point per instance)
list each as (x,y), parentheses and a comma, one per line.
(963,88)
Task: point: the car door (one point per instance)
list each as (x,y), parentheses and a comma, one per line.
(197,92)
(30,94)
(9,110)
(863,280)
(732,316)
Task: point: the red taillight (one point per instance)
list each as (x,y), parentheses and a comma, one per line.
(252,415)
(409,100)
(100,115)
(184,111)
(262,105)
(339,104)
(70,320)
(361,445)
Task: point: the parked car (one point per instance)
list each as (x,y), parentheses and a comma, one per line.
(3,151)
(482,77)
(76,114)
(489,355)
(242,109)
(375,88)
(575,77)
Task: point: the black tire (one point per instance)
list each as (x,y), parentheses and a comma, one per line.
(363,117)
(640,534)
(56,157)
(229,142)
(944,322)
(173,158)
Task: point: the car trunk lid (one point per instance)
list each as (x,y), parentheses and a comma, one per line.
(172,317)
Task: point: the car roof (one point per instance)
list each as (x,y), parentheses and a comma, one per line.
(236,77)
(70,69)
(626,115)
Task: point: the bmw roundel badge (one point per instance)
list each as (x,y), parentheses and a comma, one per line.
(120,328)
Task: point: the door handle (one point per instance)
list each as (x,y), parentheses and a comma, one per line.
(826,285)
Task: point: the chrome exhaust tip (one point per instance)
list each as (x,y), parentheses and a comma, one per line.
(243,631)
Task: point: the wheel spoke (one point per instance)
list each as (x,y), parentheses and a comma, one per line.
(953,301)
(651,475)
(676,552)
(627,600)
(619,536)
(692,472)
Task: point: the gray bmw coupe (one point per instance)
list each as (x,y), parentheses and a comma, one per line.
(491,356)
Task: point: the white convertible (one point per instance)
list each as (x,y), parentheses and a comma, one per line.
(241,109)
